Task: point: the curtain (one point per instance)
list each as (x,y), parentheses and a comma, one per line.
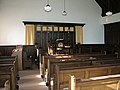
(79,34)
(29,34)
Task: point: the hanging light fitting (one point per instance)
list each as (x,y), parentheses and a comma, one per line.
(109,13)
(48,8)
(64,13)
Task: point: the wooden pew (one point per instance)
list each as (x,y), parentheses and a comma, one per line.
(7,72)
(47,59)
(62,74)
(10,59)
(8,67)
(63,62)
(72,62)
(4,84)
(44,60)
(108,82)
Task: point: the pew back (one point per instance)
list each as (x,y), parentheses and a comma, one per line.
(84,72)
(109,82)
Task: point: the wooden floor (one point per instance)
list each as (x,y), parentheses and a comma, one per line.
(30,80)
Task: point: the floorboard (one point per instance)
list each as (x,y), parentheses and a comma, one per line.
(30,80)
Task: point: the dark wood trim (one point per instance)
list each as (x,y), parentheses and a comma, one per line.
(53,23)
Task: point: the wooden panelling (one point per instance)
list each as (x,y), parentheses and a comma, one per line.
(112,33)
(29,56)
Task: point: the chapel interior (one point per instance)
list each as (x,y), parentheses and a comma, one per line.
(59,45)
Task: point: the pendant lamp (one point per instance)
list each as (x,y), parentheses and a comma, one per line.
(48,8)
(64,13)
(109,13)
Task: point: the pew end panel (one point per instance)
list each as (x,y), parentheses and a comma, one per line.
(4,84)
(7,72)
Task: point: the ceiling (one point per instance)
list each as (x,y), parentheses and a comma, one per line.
(109,5)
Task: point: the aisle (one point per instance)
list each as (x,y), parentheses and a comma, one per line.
(30,80)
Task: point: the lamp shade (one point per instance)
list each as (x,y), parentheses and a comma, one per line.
(108,13)
(64,13)
(47,8)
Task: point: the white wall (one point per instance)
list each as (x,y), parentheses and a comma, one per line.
(13,12)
